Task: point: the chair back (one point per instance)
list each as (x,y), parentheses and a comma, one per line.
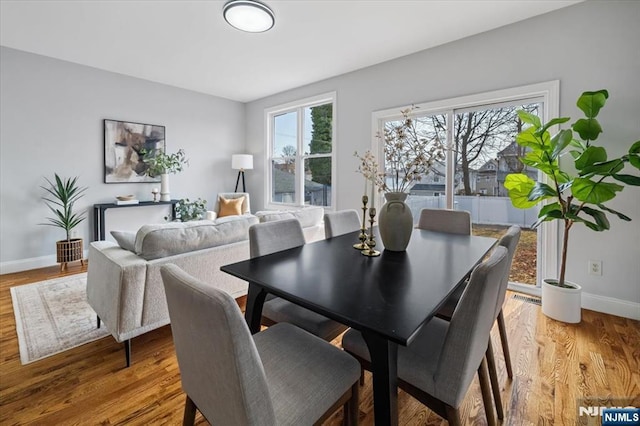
(246,205)
(270,237)
(468,334)
(442,220)
(509,240)
(220,367)
(340,222)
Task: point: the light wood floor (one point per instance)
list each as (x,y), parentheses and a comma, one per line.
(554,365)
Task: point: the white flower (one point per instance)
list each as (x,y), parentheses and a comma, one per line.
(408,157)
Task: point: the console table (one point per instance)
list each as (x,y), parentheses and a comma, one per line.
(99,209)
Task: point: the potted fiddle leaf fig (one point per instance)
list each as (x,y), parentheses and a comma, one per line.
(60,198)
(575,190)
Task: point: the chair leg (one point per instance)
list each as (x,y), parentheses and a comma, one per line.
(352,407)
(505,344)
(98,321)
(189,417)
(493,376)
(453,416)
(486,392)
(361,376)
(127,351)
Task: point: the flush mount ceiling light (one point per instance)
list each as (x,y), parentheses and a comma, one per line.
(248,15)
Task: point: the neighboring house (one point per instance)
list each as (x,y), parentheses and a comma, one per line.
(491,176)
(284,191)
(486,182)
(427,189)
(509,162)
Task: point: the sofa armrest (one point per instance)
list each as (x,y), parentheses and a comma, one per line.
(115,286)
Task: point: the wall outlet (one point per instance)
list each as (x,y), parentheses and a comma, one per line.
(595,267)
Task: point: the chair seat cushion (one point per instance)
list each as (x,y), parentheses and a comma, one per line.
(315,371)
(418,362)
(280,310)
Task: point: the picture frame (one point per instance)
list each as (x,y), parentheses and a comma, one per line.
(124,144)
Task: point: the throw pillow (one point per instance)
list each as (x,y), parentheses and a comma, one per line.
(230,206)
(126,240)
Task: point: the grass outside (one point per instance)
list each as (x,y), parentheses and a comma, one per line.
(523,268)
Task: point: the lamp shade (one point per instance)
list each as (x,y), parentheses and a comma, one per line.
(242,162)
(248,15)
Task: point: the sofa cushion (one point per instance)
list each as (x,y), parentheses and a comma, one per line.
(307,216)
(232,218)
(270,216)
(230,206)
(167,239)
(126,240)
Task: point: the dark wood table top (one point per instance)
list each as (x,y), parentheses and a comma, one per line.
(391,295)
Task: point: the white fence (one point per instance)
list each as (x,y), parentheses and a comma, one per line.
(484,210)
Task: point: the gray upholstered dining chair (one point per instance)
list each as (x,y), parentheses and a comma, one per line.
(269,237)
(508,240)
(443,220)
(437,367)
(340,222)
(280,376)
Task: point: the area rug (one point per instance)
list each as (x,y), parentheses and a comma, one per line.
(53,316)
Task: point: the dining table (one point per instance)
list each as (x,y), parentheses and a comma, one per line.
(387,298)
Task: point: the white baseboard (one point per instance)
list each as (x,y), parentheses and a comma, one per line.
(609,305)
(593,302)
(31,263)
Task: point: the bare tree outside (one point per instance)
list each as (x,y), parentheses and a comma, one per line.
(480,137)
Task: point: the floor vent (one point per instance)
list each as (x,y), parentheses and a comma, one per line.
(527,299)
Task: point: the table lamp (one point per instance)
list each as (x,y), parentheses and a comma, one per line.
(241,162)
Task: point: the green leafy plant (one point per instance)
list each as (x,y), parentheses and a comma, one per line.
(189,210)
(62,194)
(575,190)
(159,162)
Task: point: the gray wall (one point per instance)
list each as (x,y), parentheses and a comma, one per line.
(548,47)
(51,116)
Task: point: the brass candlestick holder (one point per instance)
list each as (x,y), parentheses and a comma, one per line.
(371,242)
(363,231)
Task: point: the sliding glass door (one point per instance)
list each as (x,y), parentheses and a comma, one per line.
(478,134)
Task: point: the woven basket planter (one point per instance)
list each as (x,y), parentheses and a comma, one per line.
(69,251)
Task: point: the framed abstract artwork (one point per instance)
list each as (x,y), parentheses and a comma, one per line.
(124,146)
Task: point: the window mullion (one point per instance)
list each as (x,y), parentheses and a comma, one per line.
(299,180)
(451,166)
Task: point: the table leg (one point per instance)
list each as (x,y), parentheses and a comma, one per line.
(253,310)
(384,368)
(96,235)
(102,237)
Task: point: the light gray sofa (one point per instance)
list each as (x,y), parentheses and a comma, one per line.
(124,286)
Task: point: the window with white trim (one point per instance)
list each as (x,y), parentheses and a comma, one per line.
(300,152)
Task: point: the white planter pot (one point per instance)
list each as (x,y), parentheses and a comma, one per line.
(560,303)
(164,187)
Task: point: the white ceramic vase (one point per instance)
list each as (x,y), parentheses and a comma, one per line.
(560,303)
(395,222)
(164,187)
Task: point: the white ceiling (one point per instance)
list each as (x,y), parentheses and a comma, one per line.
(188,44)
